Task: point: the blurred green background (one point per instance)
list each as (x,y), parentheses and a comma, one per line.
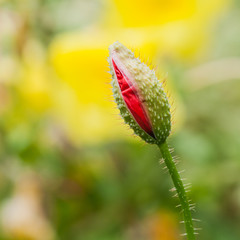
(70,168)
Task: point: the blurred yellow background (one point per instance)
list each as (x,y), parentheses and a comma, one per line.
(70,168)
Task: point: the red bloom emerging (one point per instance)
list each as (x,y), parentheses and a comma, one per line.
(132,100)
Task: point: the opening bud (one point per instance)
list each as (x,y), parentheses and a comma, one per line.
(139,95)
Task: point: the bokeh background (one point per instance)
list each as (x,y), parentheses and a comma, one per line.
(70,168)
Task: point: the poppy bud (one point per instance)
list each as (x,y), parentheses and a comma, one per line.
(139,95)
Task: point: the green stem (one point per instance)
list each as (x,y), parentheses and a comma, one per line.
(180,190)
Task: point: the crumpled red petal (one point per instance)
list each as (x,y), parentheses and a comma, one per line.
(132,100)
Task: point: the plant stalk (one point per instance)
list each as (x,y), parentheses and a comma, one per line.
(180,190)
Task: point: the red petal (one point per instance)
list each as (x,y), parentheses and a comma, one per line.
(132,101)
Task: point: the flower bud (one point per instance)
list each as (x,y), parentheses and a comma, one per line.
(139,95)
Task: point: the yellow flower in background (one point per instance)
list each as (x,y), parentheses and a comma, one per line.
(139,13)
(142,13)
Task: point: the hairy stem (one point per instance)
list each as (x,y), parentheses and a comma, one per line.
(180,190)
